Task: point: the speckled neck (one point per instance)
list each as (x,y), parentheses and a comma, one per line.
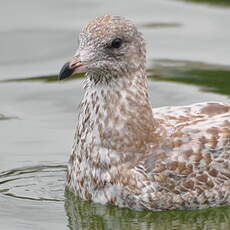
(115,125)
(118,113)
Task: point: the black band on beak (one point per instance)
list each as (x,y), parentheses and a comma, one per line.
(65,72)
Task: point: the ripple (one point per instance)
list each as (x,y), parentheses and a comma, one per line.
(41,183)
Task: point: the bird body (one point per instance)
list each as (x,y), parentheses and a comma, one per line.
(126,153)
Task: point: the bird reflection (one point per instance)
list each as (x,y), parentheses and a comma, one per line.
(88,215)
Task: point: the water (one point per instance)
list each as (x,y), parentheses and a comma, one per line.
(38,114)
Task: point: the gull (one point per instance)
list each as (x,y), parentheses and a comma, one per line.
(127,154)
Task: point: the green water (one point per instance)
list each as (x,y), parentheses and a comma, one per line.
(215,2)
(211,78)
(85,215)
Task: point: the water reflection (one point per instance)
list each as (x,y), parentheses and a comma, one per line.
(160,25)
(212,78)
(215,2)
(87,215)
(48,78)
(4,117)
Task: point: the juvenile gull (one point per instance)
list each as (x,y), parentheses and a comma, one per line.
(129,155)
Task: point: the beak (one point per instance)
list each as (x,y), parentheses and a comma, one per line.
(72,67)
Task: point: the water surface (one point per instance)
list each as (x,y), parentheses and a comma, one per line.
(188,62)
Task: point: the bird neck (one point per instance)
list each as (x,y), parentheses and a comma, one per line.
(118,115)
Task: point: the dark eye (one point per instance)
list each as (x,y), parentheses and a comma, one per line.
(116,43)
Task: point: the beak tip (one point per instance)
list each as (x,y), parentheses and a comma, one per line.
(65,72)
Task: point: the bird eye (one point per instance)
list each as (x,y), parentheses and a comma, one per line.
(116,43)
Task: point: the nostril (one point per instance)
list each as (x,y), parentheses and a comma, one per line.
(71,65)
(75,62)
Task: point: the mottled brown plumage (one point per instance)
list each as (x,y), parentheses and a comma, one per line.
(128,154)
